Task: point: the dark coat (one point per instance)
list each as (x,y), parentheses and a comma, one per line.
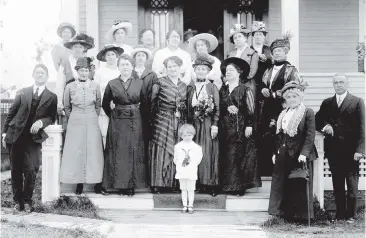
(263,66)
(303,142)
(348,124)
(19,113)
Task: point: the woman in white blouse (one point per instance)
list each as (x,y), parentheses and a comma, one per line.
(117,35)
(173,38)
(204,44)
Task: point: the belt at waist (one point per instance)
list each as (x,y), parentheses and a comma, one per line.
(127,106)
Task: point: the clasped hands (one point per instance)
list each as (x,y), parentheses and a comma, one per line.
(266,93)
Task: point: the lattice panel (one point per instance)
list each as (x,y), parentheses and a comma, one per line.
(362,171)
(246,6)
(159,4)
(160,24)
(5,105)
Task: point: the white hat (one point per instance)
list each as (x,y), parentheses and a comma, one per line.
(212,40)
(236,29)
(141,48)
(126,25)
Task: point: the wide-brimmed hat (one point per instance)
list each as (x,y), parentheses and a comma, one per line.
(301,85)
(64,25)
(82,39)
(211,39)
(259,26)
(141,48)
(238,28)
(203,59)
(83,62)
(239,62)
(282,42)
(190,31)
(126,25)
(101,54)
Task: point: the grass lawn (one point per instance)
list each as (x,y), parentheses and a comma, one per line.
(10,230)
(276,227)
(71,206)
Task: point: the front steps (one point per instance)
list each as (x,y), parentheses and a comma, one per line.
(255,200)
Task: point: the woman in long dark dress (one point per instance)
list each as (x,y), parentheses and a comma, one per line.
(294,146)
(205,120)
(124,166)
(169,95)
(238,162)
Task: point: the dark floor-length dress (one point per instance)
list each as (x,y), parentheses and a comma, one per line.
(165,98)
(288,197)
(208,169)
(124,166)
(238,162)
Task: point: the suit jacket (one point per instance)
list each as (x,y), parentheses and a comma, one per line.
(251,57)
(303,142)
(348,122)
(19,113)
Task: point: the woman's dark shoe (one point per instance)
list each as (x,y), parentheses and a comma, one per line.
(130,192)
(98,189)
(241,193)
(79,188)
(213,193)
(155,190)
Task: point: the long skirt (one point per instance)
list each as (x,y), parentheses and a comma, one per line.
(288,197)
(208,169)
(82,158)
(161,149)
(124,166)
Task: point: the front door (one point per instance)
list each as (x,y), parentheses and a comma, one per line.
(205,16)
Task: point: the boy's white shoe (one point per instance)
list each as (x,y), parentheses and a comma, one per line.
(190,210)
(184,209)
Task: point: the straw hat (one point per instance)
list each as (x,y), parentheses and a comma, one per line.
(211,39)
(64,25)
(141,48)
(101,54)
(126,25)
(238,28)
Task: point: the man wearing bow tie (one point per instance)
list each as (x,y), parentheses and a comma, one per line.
(342,119)
(34,108)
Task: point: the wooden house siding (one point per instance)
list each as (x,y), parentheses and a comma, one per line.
(82,16)
(111,10)
(274,20)
(328,35)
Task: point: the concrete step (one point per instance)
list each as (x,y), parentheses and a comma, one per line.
(255,200)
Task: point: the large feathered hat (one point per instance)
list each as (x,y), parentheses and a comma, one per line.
(301,85)
(82,39)
(284,42)
(83,62)
(204,59)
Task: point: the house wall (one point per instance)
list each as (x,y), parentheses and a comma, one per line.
(329,33)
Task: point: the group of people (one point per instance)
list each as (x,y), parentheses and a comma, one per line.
(237,119)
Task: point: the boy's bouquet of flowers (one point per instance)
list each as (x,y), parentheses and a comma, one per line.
(205,107)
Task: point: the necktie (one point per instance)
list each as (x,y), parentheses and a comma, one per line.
(36,93)
(339,101)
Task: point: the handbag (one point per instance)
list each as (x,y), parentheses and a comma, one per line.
(299,173)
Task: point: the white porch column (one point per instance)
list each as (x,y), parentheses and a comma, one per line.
(362,23)
(290,21)
(51,161)
(70,12)
(92,24)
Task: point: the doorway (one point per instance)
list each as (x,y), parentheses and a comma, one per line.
(205,16)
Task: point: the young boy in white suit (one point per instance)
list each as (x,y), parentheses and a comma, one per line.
(187,157)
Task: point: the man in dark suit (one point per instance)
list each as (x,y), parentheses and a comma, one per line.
(342,119)
(34,108)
